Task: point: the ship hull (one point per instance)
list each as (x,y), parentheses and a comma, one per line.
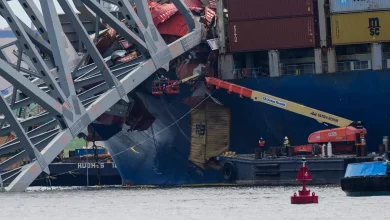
(159,155)
(358,96)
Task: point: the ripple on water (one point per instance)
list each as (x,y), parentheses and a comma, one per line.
(186,203)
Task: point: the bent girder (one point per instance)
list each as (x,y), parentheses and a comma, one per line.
(67,113)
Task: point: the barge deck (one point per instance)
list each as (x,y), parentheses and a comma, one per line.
(270,171)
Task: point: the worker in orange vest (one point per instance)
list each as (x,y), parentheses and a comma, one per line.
(262,146)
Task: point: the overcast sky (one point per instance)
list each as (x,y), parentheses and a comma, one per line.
(18,10)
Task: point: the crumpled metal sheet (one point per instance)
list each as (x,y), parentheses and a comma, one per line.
(166,18)
(213,4)
(127,58)
(106,40)
(209,14)
(176,26)
(194,5)
(125,44)
(162,12)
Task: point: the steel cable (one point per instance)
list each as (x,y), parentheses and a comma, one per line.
(162,130)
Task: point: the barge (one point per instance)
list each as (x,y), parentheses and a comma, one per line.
(368,178)
(246,170)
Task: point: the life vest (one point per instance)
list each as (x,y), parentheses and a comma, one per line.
(286,143)
(261,143)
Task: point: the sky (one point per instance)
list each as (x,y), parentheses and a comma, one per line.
(18,10)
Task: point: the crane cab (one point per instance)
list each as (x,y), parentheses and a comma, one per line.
(165,85)
(344,139)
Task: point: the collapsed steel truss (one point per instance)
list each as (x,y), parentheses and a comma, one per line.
(57,74)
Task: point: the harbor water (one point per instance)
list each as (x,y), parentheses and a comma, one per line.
(243,203)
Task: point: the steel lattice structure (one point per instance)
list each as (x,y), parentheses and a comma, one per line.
(57,74)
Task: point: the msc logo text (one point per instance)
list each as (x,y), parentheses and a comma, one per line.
(374,26)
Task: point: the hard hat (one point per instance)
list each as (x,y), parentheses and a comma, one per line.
(285,138)
(261,138)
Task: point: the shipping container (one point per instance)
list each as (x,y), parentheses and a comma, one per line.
(348,6)
(359,28)
(83,152)
(210,134)
(14,165)
(239,10)
(286,33)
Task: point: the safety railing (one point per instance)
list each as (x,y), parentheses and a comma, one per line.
(386,64)
(349,66)
(250,72)
(361,65)
(297,69)
(343,66)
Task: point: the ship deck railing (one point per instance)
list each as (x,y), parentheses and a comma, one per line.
(251,72)
(297,69)
(308,68)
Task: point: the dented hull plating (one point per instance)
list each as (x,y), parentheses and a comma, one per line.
(159,155)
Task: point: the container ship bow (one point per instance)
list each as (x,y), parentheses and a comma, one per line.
(152,143)
(328,55)
(311,52)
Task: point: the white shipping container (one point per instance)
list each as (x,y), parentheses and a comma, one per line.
(347,6)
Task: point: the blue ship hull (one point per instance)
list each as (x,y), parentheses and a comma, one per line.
(358,96)
(159,155)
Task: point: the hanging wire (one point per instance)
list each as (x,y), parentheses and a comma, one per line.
(159,132)
(173,118)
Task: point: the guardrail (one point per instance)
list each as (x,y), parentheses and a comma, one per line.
(300,69)
(250,72)
(297,69)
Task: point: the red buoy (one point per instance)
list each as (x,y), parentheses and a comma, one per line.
(304,196)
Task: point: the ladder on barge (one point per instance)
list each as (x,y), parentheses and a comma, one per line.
(57,74)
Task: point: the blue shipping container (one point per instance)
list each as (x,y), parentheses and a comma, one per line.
(348,6)
(82,152)
(366,169)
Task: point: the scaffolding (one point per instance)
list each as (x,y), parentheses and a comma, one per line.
(58,75)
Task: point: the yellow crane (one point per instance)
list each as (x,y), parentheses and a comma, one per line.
(348,131)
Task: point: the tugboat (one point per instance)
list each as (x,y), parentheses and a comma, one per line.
(82,166)
(367,179)
(85,166)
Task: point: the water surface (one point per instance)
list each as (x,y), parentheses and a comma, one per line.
(187,203)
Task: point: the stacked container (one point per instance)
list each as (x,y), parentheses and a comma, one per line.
(258,25)
(360,22)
